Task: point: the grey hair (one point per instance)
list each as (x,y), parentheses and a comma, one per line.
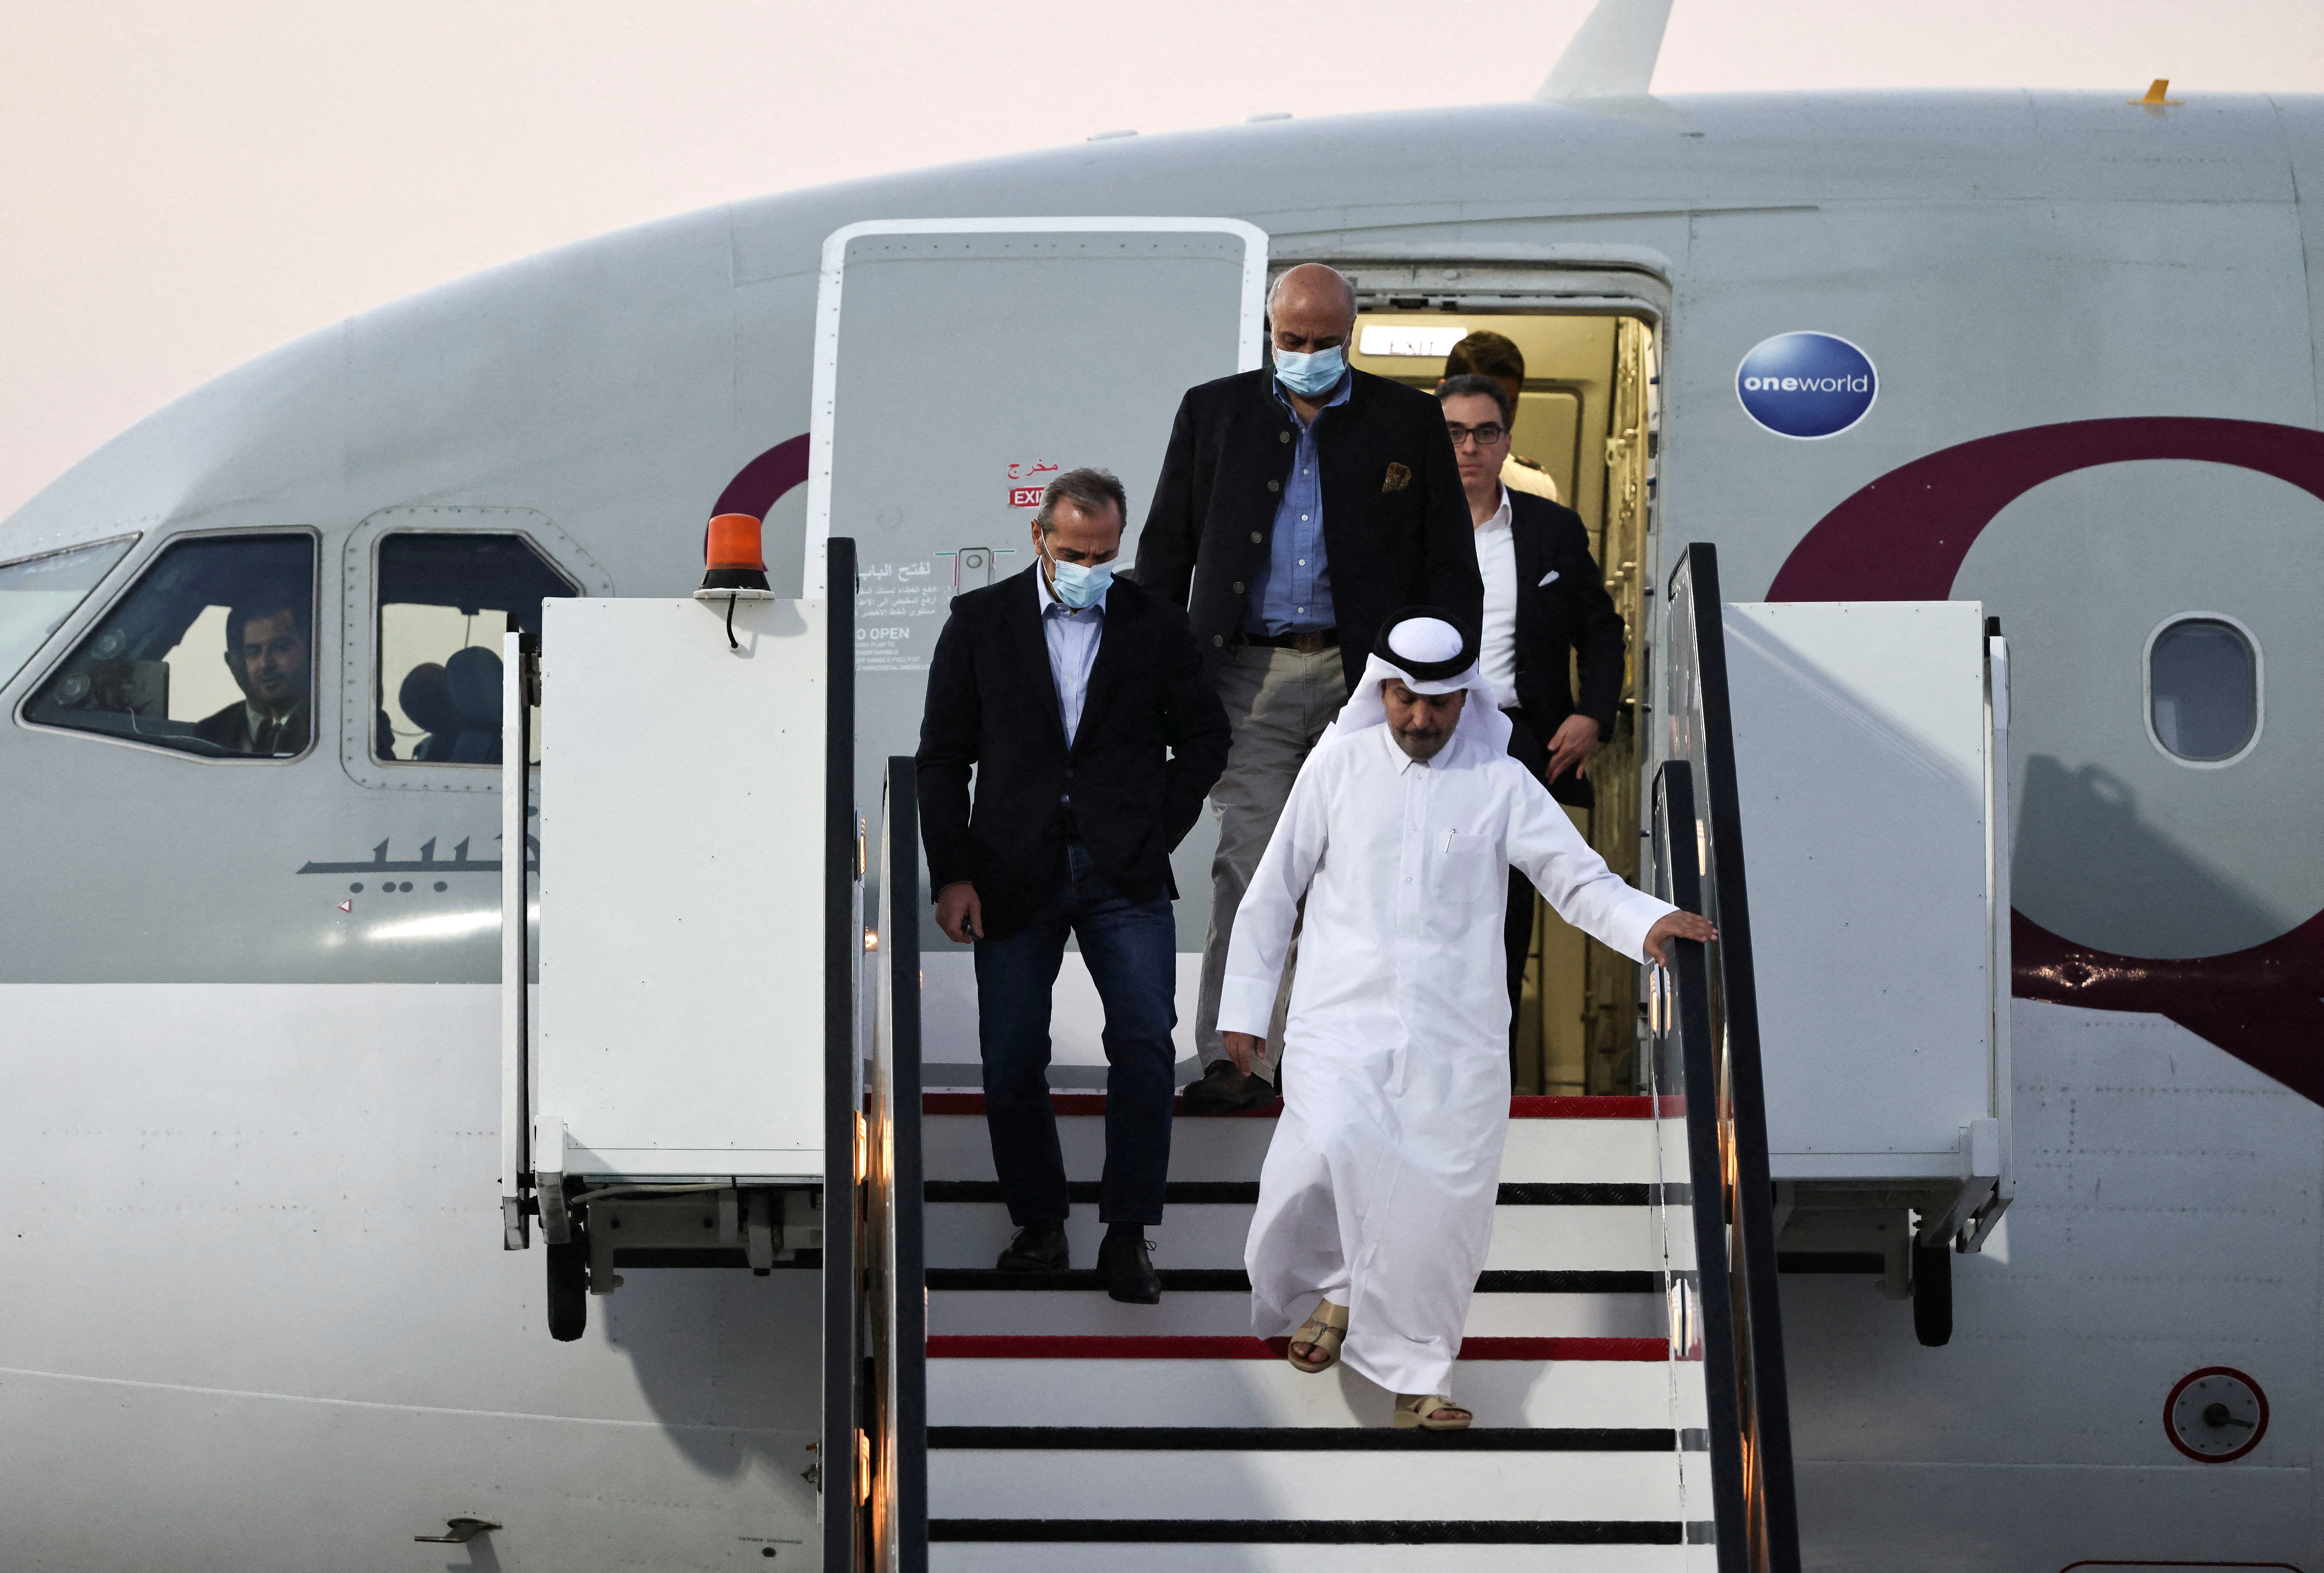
(1276,289)
(1469,385)
(1089,491)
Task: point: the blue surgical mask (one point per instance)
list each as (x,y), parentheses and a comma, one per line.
(1311,375)
(1080,584)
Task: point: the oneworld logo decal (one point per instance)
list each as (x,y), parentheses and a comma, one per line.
(1806,384)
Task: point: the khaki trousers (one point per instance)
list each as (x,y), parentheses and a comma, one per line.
(1277,703)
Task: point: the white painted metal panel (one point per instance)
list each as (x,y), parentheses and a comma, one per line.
(1861,740)
(681,910)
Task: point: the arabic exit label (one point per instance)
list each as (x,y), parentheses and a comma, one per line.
(1806,385)
(1026,482)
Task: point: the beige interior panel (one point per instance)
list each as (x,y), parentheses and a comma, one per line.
(1581,417)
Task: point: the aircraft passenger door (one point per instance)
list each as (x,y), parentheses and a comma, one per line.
(961,364)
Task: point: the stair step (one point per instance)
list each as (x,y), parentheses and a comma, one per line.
(1045,1347)
(1234,1280)
(1375,1556)
(1230,1149)
(1283,1532)
(1155,1438)
(1196,1486)
(1220,1193)
(1245,1381)
(1224,1314)
(1603,1238)
(1520,1108)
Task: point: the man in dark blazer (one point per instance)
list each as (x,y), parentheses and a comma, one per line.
(1546,612)
(1297,506)
(268,651)
(1078,702)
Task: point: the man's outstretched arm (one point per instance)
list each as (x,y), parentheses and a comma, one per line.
(1544,846)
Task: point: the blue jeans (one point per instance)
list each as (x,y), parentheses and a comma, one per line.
(1132,950)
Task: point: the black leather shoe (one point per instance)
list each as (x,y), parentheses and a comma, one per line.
(1224,1089)
(1128,1270)
(1038,1248)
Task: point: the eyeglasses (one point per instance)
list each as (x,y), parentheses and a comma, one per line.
(1487,434)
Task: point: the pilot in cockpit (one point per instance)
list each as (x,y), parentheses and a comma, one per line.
(268,652)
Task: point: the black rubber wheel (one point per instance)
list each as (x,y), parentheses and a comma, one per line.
(1932,1295)
(569,1288)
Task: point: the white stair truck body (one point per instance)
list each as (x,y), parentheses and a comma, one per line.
(1872,773)
(682,950)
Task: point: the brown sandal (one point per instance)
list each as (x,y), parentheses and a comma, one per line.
(1422,1410)
(1323,1334)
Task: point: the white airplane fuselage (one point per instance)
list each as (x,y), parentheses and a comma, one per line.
(258,1316)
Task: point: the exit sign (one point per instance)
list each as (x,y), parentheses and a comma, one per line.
(1026,496)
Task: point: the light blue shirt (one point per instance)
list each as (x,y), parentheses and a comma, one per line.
(1294,591)
(1073,638)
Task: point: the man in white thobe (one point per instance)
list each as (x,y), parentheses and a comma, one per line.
(1376,1201)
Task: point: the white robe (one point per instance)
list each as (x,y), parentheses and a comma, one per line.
(1380,1185)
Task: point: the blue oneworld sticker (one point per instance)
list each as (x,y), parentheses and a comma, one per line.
(1806,384)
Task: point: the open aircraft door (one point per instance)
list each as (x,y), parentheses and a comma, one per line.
(961,364)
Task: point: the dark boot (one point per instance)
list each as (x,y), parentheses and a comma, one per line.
(1038,1248)
(1126,1268)
(1224,1089)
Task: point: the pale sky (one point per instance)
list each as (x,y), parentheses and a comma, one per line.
(184,186)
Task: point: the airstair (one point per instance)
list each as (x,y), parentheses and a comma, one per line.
(1630,1408)
(1624,1353)
(1065,1427)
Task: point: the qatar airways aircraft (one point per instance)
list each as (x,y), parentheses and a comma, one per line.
(2055,354)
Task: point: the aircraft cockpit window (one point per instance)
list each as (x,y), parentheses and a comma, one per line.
(2203,689)
(211,653)
(37,594)
(445,600)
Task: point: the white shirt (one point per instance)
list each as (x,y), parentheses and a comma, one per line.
(1072,640)
(1409,867)
(1497,561)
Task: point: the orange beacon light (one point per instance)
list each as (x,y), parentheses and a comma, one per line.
(732,566)
(731,560)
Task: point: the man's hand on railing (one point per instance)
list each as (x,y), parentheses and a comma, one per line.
(1676,925)
(959,913)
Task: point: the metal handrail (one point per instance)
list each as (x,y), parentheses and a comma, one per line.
(1705,1018)
(843,1323)
(897,1385)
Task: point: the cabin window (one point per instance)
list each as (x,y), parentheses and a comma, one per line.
(37,594)
(211,653)
(2203,689)
(445,600)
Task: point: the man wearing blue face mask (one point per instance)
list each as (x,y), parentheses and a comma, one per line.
(1077,703)
(1297,506)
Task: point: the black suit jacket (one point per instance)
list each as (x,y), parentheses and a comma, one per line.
(1570,613)
(229,729)
(1396,525)
(1152,740)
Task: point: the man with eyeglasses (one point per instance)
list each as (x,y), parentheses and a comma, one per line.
(1485,354)
(1545,601)
(1298,506)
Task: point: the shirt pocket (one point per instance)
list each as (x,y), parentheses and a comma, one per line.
(1464,868)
